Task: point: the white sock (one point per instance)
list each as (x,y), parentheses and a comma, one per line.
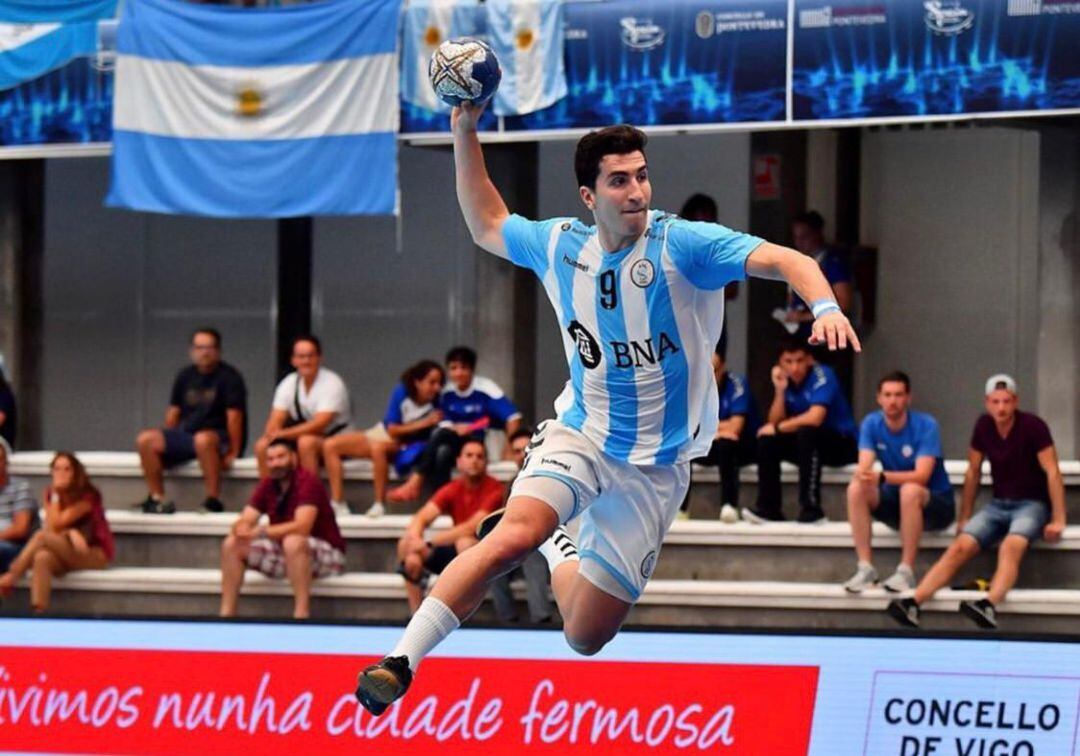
(558,549)
(337,503)
(432,622)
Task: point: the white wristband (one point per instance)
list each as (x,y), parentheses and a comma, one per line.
(823,306)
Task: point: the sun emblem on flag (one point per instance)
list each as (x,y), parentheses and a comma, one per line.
(249,101)
(432,36)
(524,39)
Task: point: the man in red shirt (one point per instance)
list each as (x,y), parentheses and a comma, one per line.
(467,500)
(301,542)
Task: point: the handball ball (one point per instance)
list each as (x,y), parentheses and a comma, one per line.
(464,70)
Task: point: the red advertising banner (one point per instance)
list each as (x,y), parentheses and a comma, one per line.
(177,702)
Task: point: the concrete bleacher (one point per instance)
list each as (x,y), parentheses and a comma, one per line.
(710,573)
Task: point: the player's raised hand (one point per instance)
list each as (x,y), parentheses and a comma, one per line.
(834,329)
(465,117)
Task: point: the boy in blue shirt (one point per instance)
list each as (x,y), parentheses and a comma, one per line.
(810,424)
(912,493)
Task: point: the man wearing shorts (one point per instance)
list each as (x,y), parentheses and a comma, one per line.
(1028,502)
(640,302)
(467,500)
(301,542)
(912,493)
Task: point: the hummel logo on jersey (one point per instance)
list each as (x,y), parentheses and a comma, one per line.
(587,346)
(636,353)
(574,263)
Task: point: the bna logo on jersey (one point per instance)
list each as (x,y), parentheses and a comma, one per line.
(948,17)
(587,346)
(641,34)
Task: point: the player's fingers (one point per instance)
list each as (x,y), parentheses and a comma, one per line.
(816,333)
(854,338)
(841,338)
(830,335)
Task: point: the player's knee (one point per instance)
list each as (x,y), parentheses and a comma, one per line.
(588,641)
(964,547)
(912,494)
(206,441)
(294,545)
(510,544)
(308,444)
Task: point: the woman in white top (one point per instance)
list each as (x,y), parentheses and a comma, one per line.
(310,405)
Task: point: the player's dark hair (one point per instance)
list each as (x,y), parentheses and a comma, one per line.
(521,432)
(418,372)
(462,354)
(613,140)
(896,376)
(288,443)
(471,441)
(793,345)
(811,218)
(700,207)
(313,340)
(212,332)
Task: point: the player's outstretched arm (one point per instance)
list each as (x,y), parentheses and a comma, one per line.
(804,275)
(480,201)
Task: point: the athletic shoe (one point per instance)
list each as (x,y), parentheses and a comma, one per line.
(150,505)
(905,611)
(213,504)
(381,684)
(759,517)
(488,524)
(981,612)
(901,580)
(378,509)
(729,514)
(865,576)
(341,508)
(812,516)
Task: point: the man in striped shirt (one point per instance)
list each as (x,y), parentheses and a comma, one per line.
(18,512)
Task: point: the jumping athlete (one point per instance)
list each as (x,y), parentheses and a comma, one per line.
(640,300)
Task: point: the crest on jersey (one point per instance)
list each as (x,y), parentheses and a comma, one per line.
(642,273)
(648,564)
(588,347)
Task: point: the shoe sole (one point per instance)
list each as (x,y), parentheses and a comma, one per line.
(750,516)
(977,617)
(857,591)
(380,686)
(891,589)
(902,617)
(488,524)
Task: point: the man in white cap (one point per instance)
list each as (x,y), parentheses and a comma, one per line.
(1028,503)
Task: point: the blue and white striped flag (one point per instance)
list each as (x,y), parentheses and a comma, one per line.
(234,112)
(38,36)
(527,37)
(427,24)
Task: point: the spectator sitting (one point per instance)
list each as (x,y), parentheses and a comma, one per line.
(912,493)
(410,419)
(470,404)
(8,416)
(75,535)
(1028,502)
(206,419)
(310,405)
(810,423)
(467,500)
(734,443)
(534,568)
(808,236)
(18,511)
(301,542)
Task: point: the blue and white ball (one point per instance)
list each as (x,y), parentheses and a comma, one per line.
(464,70)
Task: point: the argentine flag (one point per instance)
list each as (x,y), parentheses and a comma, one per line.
(38,36)
(234,112)
(426,25)
(527,37)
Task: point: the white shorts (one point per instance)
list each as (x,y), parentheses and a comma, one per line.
(625,509)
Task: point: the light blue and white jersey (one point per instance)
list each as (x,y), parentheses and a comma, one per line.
(639,327)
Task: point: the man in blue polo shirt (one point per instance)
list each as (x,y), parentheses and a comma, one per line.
(734,443)
(809,423)
(911,494)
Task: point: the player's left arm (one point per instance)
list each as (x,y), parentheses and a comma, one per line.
(1048,460)
(804,275)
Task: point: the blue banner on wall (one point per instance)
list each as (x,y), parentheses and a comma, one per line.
(678,62)
(875,59)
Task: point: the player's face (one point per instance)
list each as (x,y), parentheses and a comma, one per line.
(472,461)
(461,375)
(204,352)
(622,196)
(718,367)
(428,387)
(893,399)
(796,365)
(280,462)
(1001,405)
(306,358)
(806,240)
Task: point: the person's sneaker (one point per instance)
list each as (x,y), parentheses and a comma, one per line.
(901,580)
(729,514)
(341,508)
(150,505)
(381,684)
(488,524)
(378,509)
(812,516)
(213,504)
(905,611)
(758,517)
(865,576)
(981,612)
